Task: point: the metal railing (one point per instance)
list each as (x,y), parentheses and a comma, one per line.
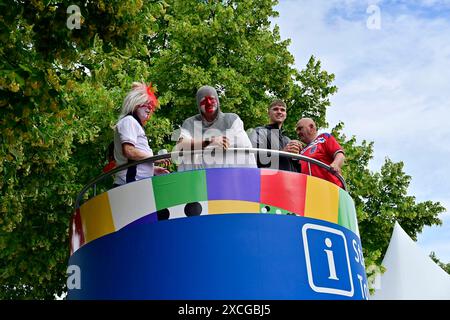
(177,154)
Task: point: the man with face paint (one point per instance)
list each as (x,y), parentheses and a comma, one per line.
(212,129)
(130,141)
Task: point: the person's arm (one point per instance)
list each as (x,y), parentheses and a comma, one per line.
(133,153)
(185,143)
(258,138)
(240,139)
(338,162)
(334,148)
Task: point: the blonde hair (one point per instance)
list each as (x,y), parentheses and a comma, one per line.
(136,97)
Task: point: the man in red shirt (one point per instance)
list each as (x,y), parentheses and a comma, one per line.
(322,147)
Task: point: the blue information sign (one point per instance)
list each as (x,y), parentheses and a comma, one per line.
(231,256)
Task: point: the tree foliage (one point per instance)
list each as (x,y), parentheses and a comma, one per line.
(381,198)
(61,89)
(444,266)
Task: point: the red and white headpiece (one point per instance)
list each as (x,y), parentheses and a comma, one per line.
(152,97)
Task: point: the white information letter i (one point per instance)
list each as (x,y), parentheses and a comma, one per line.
(330,258)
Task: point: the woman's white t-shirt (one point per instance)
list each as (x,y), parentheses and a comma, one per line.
(129,130)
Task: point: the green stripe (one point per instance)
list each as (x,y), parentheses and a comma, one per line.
(178,188)
(347,212)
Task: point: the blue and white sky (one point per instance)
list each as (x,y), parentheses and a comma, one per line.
(391,60)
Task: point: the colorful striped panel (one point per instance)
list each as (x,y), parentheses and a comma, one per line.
(96,217)
(347,212)
(178,188)
(284,190)
(322,199)
(233,184)
(227,206)
(215,191)
(131,202)
(76,232)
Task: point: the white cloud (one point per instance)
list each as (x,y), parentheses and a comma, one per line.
(393,82)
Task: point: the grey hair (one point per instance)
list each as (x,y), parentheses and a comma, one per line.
(136,97)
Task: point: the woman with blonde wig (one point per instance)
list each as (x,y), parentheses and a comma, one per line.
(130,140)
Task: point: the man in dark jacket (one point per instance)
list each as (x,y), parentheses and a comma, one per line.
(271,137)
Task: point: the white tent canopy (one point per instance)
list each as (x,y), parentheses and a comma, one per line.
(410,272)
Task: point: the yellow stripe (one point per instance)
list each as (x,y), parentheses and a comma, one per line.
(96,217)
(232,206)
(322,200)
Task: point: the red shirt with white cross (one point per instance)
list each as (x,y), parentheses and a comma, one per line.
(323,148)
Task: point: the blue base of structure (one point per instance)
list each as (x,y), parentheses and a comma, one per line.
(232,256)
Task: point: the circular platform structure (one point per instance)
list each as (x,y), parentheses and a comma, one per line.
(233,234)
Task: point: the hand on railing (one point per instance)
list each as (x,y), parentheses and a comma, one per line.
(294,146)
(336,165)
(160,170)
(334,168)
(219,142)
(164,162)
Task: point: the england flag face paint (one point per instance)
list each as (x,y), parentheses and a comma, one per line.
(208,105)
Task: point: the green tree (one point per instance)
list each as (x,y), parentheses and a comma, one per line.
(381,199)
(444,266)
(61,90)
(231,45)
